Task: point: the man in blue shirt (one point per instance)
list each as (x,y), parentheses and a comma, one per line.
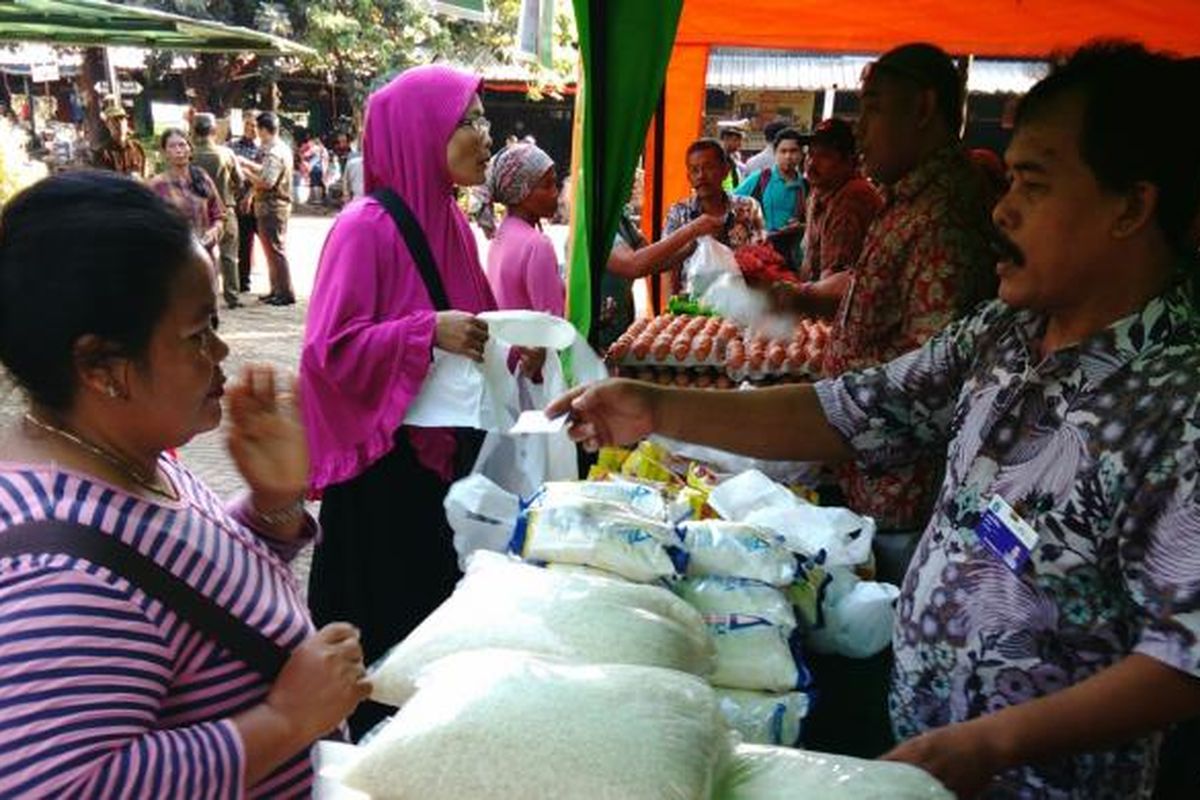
(781,193)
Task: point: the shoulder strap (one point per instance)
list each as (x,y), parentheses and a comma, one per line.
(92,544)
(760,188)
(418,245)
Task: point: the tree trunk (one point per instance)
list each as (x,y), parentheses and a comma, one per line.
(91,73)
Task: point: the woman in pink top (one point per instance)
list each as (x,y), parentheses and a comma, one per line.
(386,559)
(522,266)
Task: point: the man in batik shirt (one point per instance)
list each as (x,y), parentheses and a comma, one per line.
(924,263)
(1048,630)
(707,167)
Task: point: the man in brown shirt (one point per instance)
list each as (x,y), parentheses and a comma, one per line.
(122,152)
(272,181)
(841,206)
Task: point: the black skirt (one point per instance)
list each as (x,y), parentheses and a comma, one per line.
(386,557)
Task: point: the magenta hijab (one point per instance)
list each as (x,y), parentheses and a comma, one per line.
(371,323)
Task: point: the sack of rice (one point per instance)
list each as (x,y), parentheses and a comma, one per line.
(716,594)
(579,618)
(570,581)
(760,772)
(637,498)
(736,550)
(597,534)
(764,718)
(754,654)
(511,726)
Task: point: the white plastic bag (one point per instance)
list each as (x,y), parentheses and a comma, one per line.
(521,464)
(764,718)
(843,536)
(751,497)
(482,516)
(857,617)
(708,262)
(760,772)
(736,550)
(716,594)
(574,617)
(597,534)
(511,726)
(754,654)
(750,491)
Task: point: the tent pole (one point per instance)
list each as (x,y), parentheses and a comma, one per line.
(30,99)
(965,73)
(656,201)
(114,85)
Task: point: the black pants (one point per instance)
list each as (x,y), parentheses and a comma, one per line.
(247,228)
(386,557)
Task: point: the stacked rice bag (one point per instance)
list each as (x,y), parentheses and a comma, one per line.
(736,575)
(776,773)
(620,527)
(516,726)
(502,603)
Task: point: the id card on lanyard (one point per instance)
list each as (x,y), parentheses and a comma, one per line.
(1010,538)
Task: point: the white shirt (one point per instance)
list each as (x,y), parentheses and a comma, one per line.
(353,176)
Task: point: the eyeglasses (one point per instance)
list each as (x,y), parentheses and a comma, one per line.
(480,125)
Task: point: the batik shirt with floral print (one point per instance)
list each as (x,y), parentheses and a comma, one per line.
(1096,446)
(743,225)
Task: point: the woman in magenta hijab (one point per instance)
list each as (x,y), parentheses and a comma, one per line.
(386,558)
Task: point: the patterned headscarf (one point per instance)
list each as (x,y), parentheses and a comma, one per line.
(515,171)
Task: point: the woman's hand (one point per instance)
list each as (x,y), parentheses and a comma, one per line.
(266,439)
(531,360)
(612,412)
(461,333)
(322,682)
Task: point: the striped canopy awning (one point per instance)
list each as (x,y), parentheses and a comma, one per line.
(96,23)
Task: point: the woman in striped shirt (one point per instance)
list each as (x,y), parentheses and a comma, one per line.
(106,322)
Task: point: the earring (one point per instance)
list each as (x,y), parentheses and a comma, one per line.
(111,391)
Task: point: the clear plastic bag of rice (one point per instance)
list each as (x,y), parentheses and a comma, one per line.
(754,654)
(512,726)
(502,603)
(599,534)
(637,498)
(736,550)
(717,594)
(759,772)
(763,717)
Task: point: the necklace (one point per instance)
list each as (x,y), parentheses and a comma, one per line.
(149,483)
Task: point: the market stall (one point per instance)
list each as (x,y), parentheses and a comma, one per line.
(662,64)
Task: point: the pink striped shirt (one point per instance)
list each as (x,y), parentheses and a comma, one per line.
(103,691)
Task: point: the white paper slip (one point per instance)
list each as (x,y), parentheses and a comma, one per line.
(537,422)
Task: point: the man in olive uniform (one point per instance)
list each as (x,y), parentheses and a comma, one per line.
(122,152)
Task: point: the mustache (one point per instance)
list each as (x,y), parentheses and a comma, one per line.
(1004,248)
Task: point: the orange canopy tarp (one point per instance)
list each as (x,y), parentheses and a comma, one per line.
(999,28)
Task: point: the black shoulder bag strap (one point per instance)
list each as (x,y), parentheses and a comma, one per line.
(418,245)
(84,541)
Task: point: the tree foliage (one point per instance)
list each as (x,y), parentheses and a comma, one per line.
(360,43)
